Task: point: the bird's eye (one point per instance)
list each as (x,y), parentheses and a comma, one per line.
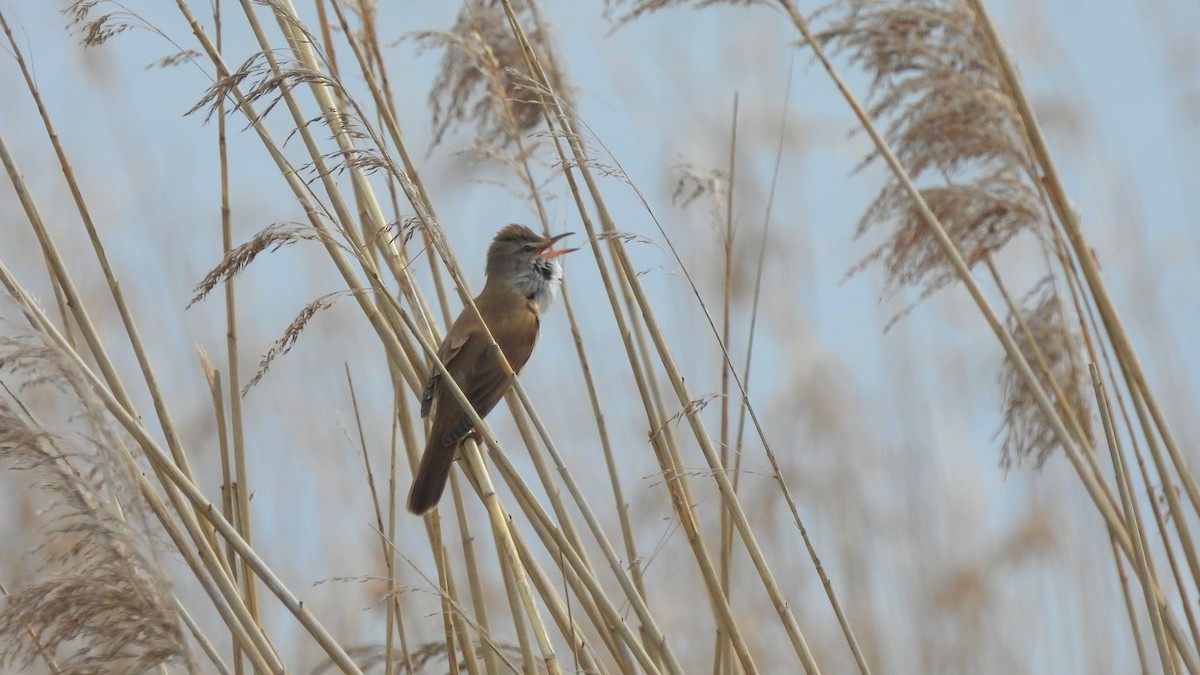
(529,248)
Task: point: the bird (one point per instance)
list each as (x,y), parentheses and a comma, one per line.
(523,276)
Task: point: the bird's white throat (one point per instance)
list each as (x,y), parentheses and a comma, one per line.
(540,282)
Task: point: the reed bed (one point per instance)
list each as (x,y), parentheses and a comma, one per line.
(638,505)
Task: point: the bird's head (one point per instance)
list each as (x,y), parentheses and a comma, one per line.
(527,260)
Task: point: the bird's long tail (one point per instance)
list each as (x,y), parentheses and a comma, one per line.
(432,474)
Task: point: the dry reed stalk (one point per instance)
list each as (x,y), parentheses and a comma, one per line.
(721,661)
(373,222)
(352,233)
(958,262)
(1050,328)
(983,32)
(481,45)
(362,190)
(394,618)
(379,321)
(727,534)
(479,473)
(180,487)
(395,612)
(236,486)
(562,548)
(1131,369)
(427,657)
(228,484)
(946,229)
(718,186)
(48,246)
(389,335)
(1143,566)
(206,645)
(559,609)
(1083,255)
(119,404)
(649,393)
(474,578)
(411,177)
(466,647)
(413,187)
(499,520)
(525,428)
(62,279)
(1165,540)
(486,62)
(667,361)
(256,119)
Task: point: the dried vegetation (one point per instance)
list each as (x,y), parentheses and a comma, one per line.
(551,568)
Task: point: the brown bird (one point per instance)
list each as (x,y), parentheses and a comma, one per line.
(523,275)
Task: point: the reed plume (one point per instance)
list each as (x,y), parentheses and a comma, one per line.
(99,600)
(951,122)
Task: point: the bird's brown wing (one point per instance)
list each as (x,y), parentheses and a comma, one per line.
(457,352)
(452,344)
(485,383)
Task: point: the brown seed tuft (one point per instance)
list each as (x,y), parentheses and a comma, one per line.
(1044,338)
(99,601)
(484,79)
(272,238)
(952,124)
(624,11)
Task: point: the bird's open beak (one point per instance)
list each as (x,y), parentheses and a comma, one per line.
(547,252)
